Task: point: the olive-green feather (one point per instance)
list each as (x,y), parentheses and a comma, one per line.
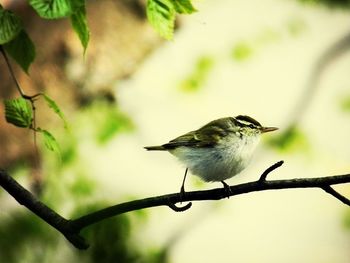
(207,136)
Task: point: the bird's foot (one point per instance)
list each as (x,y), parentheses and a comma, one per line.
(227,189)
(180,208)
(182,193)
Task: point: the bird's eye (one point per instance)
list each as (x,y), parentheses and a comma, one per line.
(251,126)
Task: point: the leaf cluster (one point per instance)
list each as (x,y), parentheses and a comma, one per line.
(20,113)
(199,75)
(17,43)
(15,40)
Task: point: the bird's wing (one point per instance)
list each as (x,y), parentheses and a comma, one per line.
(190,139)
(207,136)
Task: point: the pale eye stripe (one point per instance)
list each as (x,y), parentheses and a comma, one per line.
(246,121)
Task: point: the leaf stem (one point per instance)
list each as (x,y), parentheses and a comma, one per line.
(21,92)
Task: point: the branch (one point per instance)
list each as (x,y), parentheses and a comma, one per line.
(337,195)
(269,170)
(71,228)
(27,199)
(329,55)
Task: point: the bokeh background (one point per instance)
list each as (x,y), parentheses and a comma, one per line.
(284,62)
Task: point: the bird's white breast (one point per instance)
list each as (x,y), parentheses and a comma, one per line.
(221,162)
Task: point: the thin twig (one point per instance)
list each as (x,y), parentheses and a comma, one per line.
(336,194)
(269,170)
(34,128)
(21,92)
(31,99)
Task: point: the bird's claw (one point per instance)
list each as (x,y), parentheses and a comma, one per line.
(180,208)
(182,193)
(227,189)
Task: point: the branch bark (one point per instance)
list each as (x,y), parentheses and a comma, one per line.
(71,228)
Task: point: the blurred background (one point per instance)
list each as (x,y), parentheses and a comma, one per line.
(284,62)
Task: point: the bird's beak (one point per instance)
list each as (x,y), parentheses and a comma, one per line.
(268,129)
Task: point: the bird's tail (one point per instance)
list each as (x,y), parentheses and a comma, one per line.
(155,148)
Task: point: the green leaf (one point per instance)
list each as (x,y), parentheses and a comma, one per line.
(345,103)
(53,105)
(296,26)
(346,220)
(22,50)
(113,123)
(108,121)
(80,26)
(184,6)
(18,112)
(49,141)
(52,9)
(82,186)
(161,15)
(290,140)
(199,74)
(77,4)
(10,26)
(242,51)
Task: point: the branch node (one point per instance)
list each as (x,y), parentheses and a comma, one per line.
(269,170)
(71,228)
(77,240)
(180,208)
(328,189)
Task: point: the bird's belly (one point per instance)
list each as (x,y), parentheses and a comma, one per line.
(212,164)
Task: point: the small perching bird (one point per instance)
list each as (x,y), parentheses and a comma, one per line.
(219,150)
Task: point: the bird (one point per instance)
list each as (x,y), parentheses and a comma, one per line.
(218,150)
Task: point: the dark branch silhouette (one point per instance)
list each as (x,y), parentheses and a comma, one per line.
(330,54)
(337,195)
(71,228)
(269,170)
